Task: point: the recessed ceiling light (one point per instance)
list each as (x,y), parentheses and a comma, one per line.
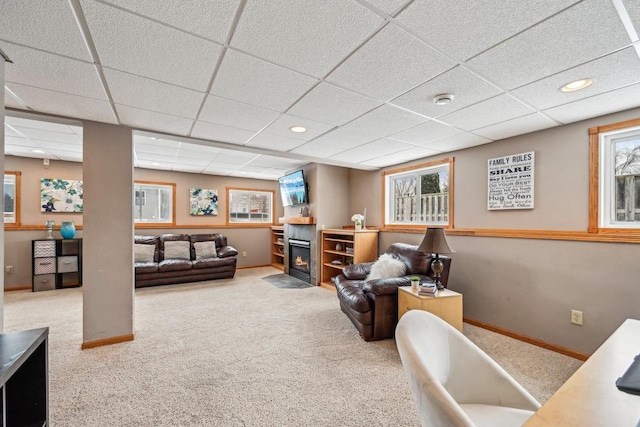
(298,129)
(576,85)
(37,151)
(443,98)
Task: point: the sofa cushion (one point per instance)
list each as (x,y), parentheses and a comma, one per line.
(386,267)
(353,296)
(205,250)
(174,265)
(177,250)
(212,262)
(146,267)
(143,253)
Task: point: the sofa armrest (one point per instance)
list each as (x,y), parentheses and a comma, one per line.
(357,271)
(390,286)
(227,251)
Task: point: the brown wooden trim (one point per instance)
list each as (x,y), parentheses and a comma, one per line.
(172,184)
(33,227)
(253,266)
(451,193)
(11,227)
(615,126)
(520,337)
(419,166)
(297,220)
(593,182)
(106,341)
(18,288)
(273,206)
(173,197)
(327,286)
(622,236)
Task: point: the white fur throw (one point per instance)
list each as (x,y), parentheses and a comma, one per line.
(177,250)
(205,250)
(386,267)
(143,253)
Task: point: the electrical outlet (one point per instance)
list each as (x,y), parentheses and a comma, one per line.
(8,269)
(576,317)
(244,254)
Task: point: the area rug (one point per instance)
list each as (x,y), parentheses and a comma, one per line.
(285,281)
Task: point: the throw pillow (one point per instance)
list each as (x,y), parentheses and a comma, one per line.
(386,267)
(177,250)
(205,250)
(143,253)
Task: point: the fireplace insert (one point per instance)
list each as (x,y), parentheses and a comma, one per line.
(300,259)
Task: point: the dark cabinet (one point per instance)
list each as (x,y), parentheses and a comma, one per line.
(57,263)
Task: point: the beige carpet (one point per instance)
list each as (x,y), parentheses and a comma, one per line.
(240,352)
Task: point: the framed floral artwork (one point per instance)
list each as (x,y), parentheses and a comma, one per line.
(203,201)
(60,195)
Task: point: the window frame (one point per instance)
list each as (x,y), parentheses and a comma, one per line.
(387,177)
(143,224)
(16,200)
(600,139)
(249,222)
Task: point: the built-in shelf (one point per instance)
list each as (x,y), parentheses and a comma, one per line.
(343,247)
(277,246)
(297,220)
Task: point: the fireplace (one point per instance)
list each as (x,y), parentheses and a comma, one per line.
(300,259)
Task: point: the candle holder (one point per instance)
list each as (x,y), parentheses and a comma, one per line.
(50,225)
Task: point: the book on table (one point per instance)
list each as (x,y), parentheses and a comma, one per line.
(428,289)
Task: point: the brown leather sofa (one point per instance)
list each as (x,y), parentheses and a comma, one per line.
(372,305)
(162,271)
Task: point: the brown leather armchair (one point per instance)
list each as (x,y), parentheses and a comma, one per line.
(372,305)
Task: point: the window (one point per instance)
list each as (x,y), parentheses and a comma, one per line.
(154,202)
(618,183)
(12,198)
(250,206)
(419,195)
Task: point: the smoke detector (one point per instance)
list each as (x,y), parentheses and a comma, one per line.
(443,98)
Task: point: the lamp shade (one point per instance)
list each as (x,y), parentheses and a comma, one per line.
(435,242)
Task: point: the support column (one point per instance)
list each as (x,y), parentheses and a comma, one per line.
(2,228)
(107,278)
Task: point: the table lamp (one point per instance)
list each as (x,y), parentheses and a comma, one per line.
(435,242)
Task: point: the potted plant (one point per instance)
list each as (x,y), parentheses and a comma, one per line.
(415,282)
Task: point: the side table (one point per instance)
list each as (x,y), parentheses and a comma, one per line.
(445,304)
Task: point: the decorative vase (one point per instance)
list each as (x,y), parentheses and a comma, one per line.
(50,225)
(358,225)
(68,229)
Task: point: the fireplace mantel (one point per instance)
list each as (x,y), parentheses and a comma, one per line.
(297,220)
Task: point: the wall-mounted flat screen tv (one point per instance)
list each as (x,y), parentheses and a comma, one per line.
(293,189)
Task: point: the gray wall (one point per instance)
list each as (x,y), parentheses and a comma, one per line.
(3,168)
(525,285)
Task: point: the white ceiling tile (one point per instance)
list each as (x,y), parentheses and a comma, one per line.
(142,148)
(50,135)
(19,141)
(394,57)
(331,104)
(177,167)
(275,142)
(236,114)
(11,101)
(53,145)
(282,125)
(336,141)
(17,150)
(147,94)
(217,170)
(545,93)
(389,6)
(306,35)
(203,161)
(598,105)
(19,122)
(517,126)
(10,131)
(458,142)
(465,29)
(154,165)
(278,162)
(385,120)
(152,157)
(401,157)
(485,113)
(67,156)
(197,153)
(234,158)
(467,89)
(206,18)
(48,71)
(155,141)
(143,119)
(62,104)
(186,148)
(633,9)
(372,150)
(252,81)
(425,133)
(585,31)
(152,50)
(47,25)
(216,132)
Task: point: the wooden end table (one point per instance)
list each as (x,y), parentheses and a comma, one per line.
(446,304)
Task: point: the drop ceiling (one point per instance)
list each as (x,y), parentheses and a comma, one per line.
(214,86)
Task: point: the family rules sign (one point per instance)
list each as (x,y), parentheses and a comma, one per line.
(511,182)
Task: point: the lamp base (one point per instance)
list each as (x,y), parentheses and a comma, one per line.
(437,266)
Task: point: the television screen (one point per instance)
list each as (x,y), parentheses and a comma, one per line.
(293,189)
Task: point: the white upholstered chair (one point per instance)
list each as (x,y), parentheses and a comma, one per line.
(452,381)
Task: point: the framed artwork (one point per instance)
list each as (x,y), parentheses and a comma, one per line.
(60,195)
(203,201)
